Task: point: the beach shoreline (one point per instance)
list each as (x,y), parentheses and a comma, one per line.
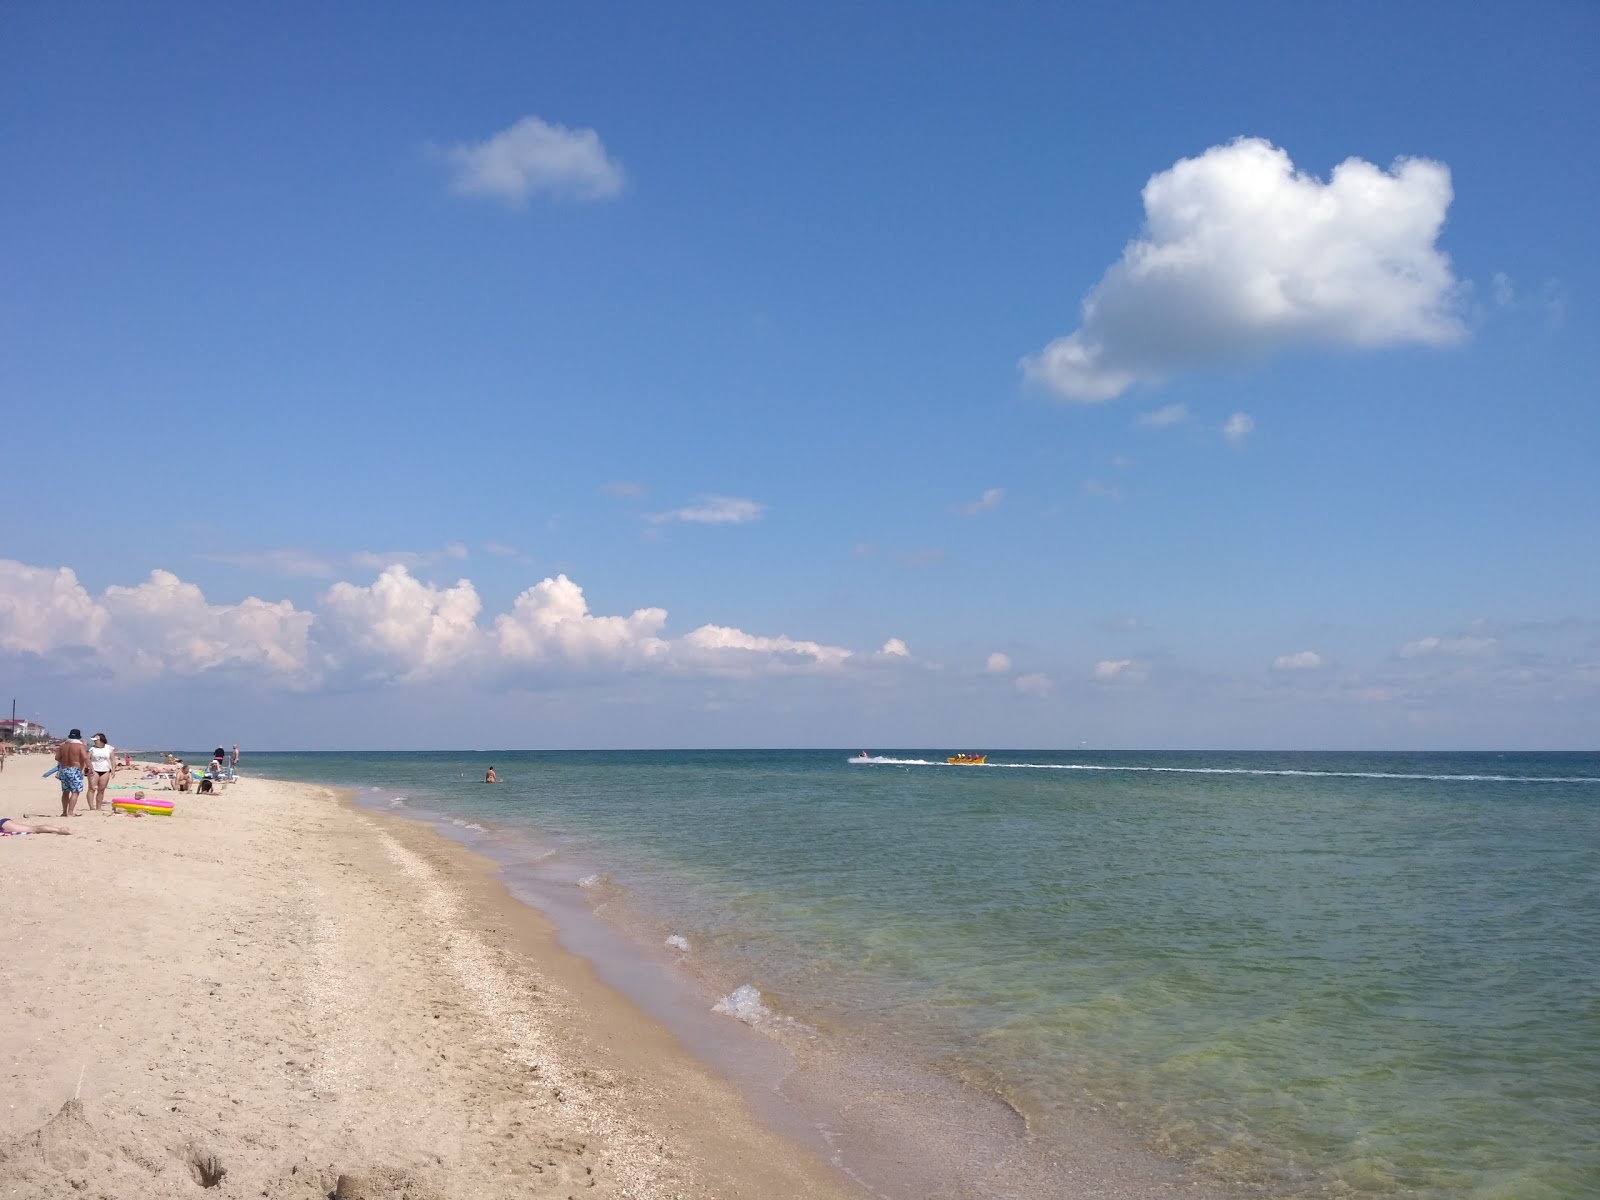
(897,1128)
(312,999)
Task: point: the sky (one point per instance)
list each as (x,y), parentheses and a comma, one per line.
(875,376)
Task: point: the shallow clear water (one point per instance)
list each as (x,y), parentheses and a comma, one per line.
(1313,973)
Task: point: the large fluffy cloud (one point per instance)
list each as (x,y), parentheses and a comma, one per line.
(162,624)
(1242,254)
(44,609)
(400,627)
(551,621)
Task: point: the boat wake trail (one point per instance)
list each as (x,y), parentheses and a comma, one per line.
(1263,771)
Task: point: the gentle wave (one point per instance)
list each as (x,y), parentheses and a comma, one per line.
(926,762)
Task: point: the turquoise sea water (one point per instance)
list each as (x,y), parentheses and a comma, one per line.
(1303,974)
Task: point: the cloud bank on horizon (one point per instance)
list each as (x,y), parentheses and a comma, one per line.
(1242,255)
(397,630)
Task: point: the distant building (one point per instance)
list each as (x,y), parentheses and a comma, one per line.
(21,731)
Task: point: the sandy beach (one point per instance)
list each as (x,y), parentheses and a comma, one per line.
(275,994)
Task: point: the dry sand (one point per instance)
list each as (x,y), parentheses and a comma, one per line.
(275,994)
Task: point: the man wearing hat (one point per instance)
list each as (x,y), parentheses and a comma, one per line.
(72,760)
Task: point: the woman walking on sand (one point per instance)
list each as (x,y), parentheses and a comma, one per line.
(102,766)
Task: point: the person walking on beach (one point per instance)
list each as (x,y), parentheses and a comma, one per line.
(102,766)
(233,763)
(72,760)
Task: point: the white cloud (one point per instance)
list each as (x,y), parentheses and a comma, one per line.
(1550,300)
(1122,625)
(714,510)
(769,652)
(399,628)
(44,609)
(894,648)
(160,625)
(1242,255)
(303,564)
(1036,684)
(1120,670)
(377,560)
(1238,427)
(921,558)
(1302,660)
(165,624)
(623,488)
(551,622)
(1169,414)
(987,502)
(531,157)
(502,550)
(1461,647)
(997,663)
(1101,490)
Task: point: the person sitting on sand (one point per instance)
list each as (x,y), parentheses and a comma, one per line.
(489,777)
(9,827)
(182,779)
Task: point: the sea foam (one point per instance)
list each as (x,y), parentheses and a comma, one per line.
(743,1004)
(678,942)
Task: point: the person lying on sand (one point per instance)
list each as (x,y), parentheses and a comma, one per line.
(8,827)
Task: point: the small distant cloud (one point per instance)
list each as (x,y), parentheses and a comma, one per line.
(297,564)
(1122,625)
(1036,684)
(1170,414)
(714,510)
(501,549)
(894,648)
(623,488)
(1461,647)
(997,663)
(1238,427)
(1550,300)
(534,156)
(378,560)
(1120,670)
(1122,462)
(987,502)
(1301,660)
(1101,490)
(863,550)
(921,558)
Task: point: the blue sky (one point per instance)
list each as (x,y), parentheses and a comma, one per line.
(987,375)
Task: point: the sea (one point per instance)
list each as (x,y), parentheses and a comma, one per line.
(1286,974)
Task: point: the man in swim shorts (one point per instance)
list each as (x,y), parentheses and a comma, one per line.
(9,827)
(72,761)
